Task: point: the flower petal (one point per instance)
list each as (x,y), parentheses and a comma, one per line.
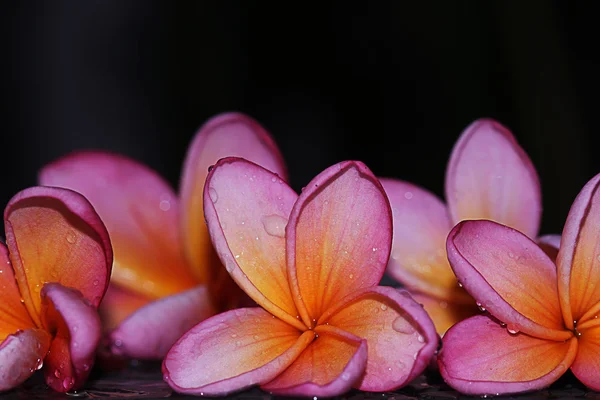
(445,314)
(586,366)
(246,209)
(480,357)
(509,275)
(400,335)
(233,351)
(77,333)
(329,367)
(578,260)
(118,304)
(421,225)
(21,354)
(13,314)
(550,244)
(150,332)
(140,211)
(225,135)
(490,176)
(54,235)
(338,237)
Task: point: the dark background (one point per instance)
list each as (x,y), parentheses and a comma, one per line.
(390,83)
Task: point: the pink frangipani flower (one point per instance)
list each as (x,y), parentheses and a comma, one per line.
(167,276)
(543,317)
(312,262)
(54,271)
(488,177)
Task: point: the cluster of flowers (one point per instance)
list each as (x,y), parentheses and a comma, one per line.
(239,281)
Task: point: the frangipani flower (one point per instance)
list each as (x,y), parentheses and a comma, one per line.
(54,271)
(488,177)
(545,315)
(312,262)
(166,275)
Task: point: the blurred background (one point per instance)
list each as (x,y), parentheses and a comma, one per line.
(390,83)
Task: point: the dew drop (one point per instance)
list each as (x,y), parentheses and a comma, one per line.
(274,225)
(96,282)
(374,249)
(383,307)
(401,325)
(210,168)
(68,383)
(460,284)
(213,195)
(39,364)
(57,373)
(421,339)
(481,307)
(408,195)
(512,330)
(233,335)
(256,337)
(71,238)
(238,343)
(164,205)
(346,376)
(443,304)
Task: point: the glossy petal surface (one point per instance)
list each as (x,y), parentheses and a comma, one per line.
(509,275)
(445,314)
(479,356)
(232,351)
(490,176)
(54,235)
(338,237)
(77,333)
(578,260)
(13,314)
(246,209)
(150,332)
(226,135)
(21,354)
(586,366)
(330,366)
(140,211)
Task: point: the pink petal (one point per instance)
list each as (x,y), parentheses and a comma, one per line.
(509,275)
(421,225)
(21,354)
(586,366)
(77,333)
(489,176)
(246,209)
(400,335)
(226,135)
(233,351)
(550,244)
(338,238)
(479,357)
(152,330)
(578,260)
(329,367)
(55,235)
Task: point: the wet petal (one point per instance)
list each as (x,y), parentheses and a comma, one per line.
(21,354)
(400,335)
(421,225)
(509,275)
(330,366)
(150,332)
(118,304)
(338,238)
(54,235)
(586,366)
(445,314)
(490,176)
(226,135)
(246,210)
(480,357)
(578,260)
(13,314)
(140,211)
(77,333)
(233,351)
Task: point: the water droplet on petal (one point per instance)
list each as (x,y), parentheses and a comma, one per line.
(275,225)
(512,330)
(401,325)
(212,193)
(57,373)
(421,339)
(408,195)
(383,307)
(71,238)
(68,382)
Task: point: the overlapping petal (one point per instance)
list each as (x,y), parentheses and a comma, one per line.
(480,356)
(13,314)
(330,365)
(226,135)
(118,304)
(586,366)
(232,351)
(54,235)
(150,332)
(246,209)
(21,354)
(490,176)
(443,313)
(400,335)
(338,238)
(140,211)
(509,275)
(421,225)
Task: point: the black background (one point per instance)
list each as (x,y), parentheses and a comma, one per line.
(390,83)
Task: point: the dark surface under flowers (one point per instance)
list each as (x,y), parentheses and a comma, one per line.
(144,381)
